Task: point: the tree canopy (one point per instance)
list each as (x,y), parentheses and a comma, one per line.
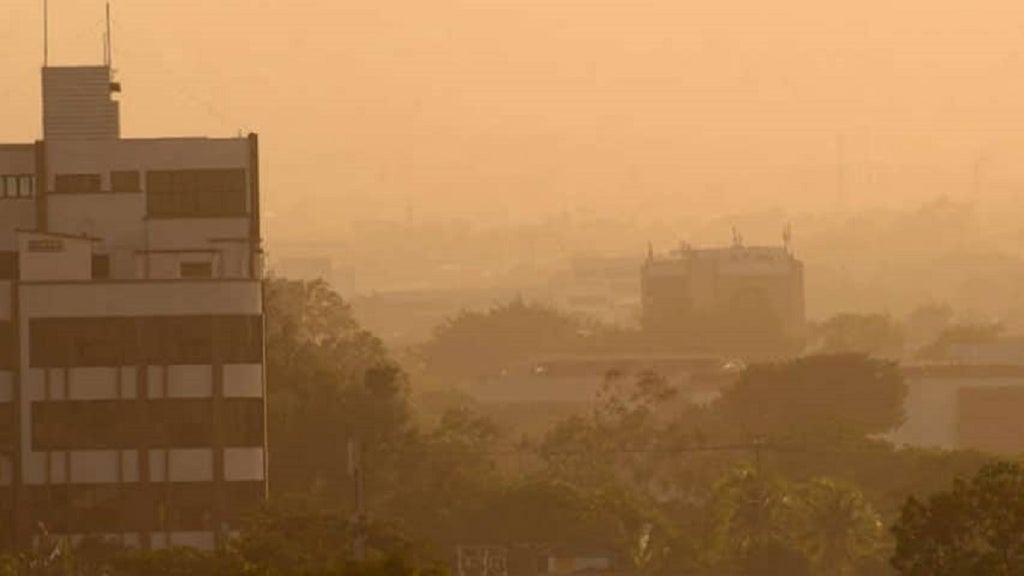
(975,528)
(843,394)
(868,334)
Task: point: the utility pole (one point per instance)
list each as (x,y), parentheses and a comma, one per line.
(356,470)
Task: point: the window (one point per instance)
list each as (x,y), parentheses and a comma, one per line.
(73,342)
(8,359)
(181,423)
(196,193)
(196,270)
(10,186)
(80,508)
(26,186)
(17,186)
(91,424)
(47,245)
(241,422)
(8,265)
(158,340)
(125,181)
(100,266)
(77,184)
(190,507)
(239,339)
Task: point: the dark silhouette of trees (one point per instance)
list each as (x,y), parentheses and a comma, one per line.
(474,344)
(975,528)
(971,333)
(847,395)
(868,334)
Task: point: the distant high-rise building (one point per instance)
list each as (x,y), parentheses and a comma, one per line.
(131,327)
(739,300)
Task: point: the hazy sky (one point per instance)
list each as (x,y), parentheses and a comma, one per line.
(514,108)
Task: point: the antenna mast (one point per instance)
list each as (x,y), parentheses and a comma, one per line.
(108,52)
(46,33)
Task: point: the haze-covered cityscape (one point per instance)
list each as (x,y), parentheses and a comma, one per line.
(511,288)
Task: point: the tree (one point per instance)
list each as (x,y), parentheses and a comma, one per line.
(973,333)
(328,380)
(869,334)
(473,345)
(924,323)
(975,528)
(834,395)
(838,529)
(752,517)
(761,524)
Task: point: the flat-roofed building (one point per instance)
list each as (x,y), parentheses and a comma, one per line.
(738,300)
(131,327)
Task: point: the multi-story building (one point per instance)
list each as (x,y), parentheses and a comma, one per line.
(733,300)
(131,327)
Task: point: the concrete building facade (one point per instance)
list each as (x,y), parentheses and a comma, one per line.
(725,300)
(131,327)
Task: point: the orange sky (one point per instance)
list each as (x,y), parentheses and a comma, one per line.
(515,108)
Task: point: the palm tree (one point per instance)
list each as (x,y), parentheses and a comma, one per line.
(837,527)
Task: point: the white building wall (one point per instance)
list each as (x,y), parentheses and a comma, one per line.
(118,220)
(94,466)
(190,465)
(70,258)
(141,298)
(142,154)
(15,214)
(243,380)
(186,233)
(190,381)
(92,383)
(243,464)
(931,409)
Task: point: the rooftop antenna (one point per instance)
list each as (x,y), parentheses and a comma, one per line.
(737,238)
(108,53)
(46,33)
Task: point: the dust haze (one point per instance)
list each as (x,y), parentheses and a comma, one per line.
(603,288)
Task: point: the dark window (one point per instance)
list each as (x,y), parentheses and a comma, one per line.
(77,184)
(71,342)
(79,508)
(241,421)
(181,423)
(8,334)
(240,339)
(92,424)
(100,266)
(6,426)
(196,270)
(158,340)
(189,506)
(112,424)
(243,499)
(196,193)
(8,265)
(125,181)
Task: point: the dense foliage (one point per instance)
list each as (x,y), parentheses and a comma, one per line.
(975,528)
